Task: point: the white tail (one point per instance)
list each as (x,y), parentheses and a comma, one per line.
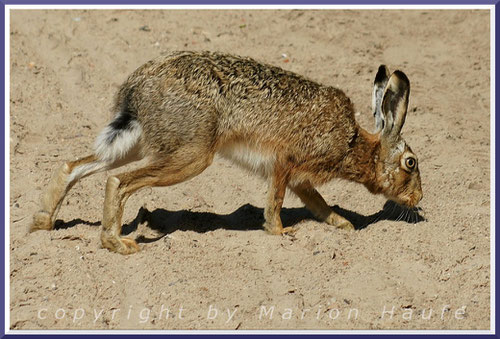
(115,144)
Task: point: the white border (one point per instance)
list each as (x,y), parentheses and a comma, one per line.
(262,332)
(378,7)
(7,169)
(492,170)
(303,332)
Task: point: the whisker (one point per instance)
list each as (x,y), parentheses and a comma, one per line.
(400,217)
(394,209)
(382,215)
(404,218)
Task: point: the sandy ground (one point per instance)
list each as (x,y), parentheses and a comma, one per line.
(216,268)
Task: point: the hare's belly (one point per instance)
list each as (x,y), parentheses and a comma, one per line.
(254,159)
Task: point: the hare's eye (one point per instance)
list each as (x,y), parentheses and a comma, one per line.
(410,163)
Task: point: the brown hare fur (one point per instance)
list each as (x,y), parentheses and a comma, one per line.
(179,110)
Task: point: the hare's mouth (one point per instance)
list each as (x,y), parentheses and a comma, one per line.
(408,201)
(414,199)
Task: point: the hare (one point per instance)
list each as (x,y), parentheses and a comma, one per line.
(179,110)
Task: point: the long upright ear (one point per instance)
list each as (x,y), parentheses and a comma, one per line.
(378,92)
(395,103)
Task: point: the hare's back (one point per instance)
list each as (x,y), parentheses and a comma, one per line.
(236,97)
(233,85)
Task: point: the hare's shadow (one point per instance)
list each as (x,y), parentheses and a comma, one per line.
(247,217)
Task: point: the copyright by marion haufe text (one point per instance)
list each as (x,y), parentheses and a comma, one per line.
(226,315)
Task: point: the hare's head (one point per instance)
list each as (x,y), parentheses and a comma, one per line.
(397,173)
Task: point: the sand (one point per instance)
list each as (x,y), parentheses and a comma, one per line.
(215,267)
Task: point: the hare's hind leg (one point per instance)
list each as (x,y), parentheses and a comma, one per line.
(120,187)
(319,208)
(62,181)
(66,177)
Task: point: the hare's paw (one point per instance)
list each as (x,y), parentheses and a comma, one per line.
(130,246)
(346,225)
(339,222)
(273,229)
(279,230)
(121,245)
(289,231)
(41,221)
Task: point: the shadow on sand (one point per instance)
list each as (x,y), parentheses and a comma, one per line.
(247,217)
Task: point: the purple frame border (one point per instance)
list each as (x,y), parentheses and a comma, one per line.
(249,2)
(496,3)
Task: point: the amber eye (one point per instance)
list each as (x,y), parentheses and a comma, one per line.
(410,163)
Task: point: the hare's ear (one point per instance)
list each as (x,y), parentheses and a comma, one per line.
(378,92)
(395,104)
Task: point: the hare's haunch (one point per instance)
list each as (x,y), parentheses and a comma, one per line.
(179,110)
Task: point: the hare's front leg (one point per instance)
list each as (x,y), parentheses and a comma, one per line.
(277,187)
(319,208)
